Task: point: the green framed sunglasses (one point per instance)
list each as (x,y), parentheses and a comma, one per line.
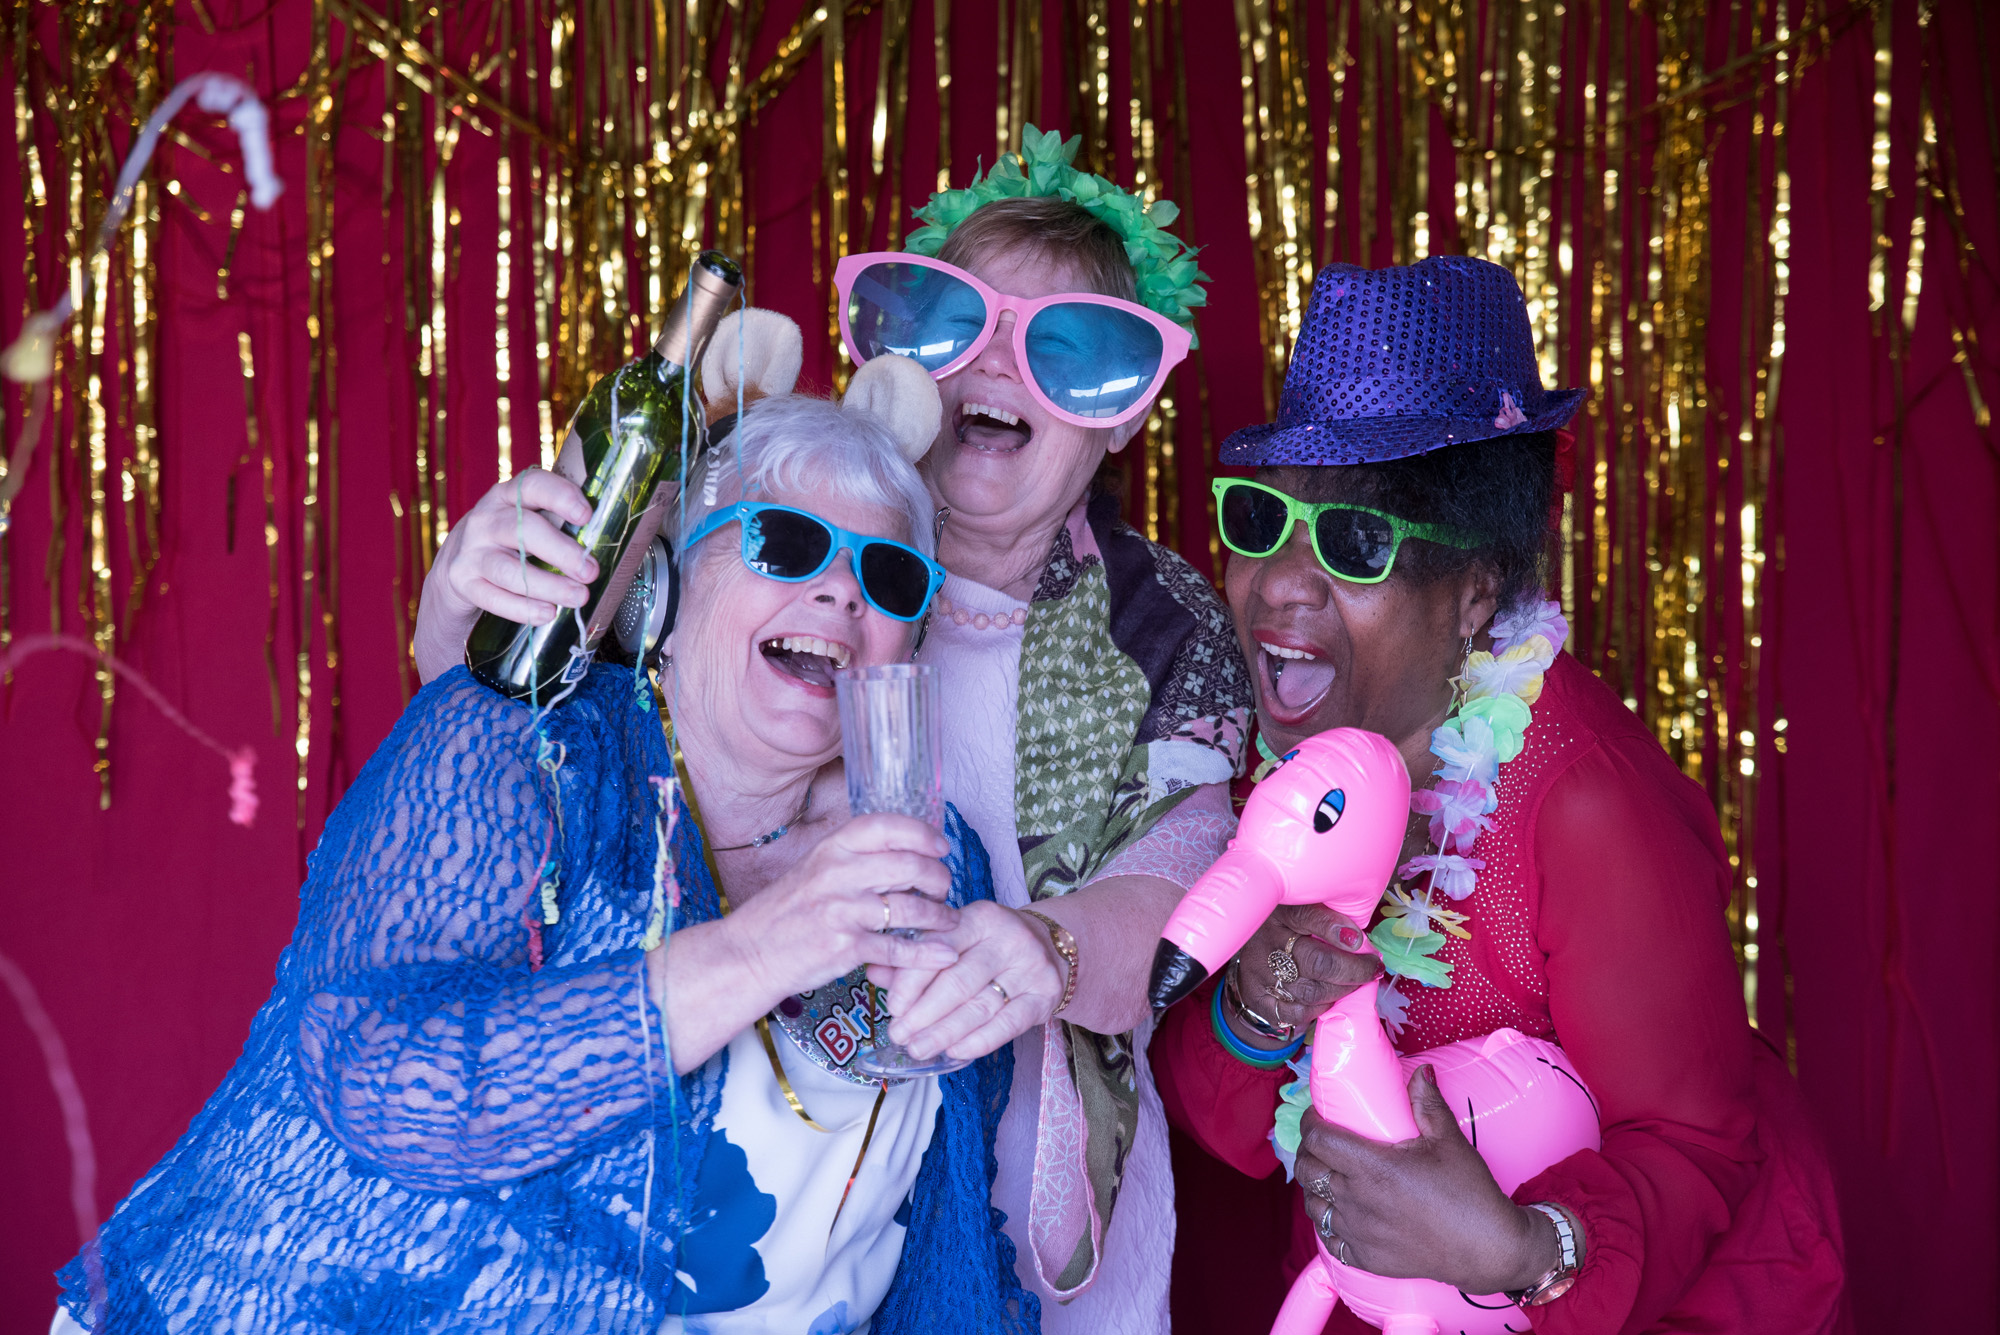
(1353,542)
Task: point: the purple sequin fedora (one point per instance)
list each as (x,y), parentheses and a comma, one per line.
(1394,362)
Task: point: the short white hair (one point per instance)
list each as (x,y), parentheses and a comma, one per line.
(794,445)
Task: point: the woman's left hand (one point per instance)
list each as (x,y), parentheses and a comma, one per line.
(1008,979)
(1424,1209)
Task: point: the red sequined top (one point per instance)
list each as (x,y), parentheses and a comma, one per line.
(1598,923)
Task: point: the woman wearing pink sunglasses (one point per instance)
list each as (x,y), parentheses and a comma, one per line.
(1096,699)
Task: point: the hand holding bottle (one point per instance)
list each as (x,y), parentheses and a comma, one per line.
(479,567)
(625,449)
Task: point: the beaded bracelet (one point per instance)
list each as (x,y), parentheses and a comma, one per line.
(1243,1052)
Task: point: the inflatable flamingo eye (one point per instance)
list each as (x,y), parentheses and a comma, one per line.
(1329,810)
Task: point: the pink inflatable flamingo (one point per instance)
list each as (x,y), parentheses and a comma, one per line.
(1326,828)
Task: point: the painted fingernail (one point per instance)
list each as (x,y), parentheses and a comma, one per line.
(1350,939)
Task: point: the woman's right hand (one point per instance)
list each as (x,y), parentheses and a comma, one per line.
(826,916)
(1327,972)
(479,567)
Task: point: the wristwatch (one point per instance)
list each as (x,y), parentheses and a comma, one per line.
(1557,1282)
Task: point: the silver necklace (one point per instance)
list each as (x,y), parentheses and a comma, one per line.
(775,835)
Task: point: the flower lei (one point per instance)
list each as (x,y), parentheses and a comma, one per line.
(1169,282)
(1487,727)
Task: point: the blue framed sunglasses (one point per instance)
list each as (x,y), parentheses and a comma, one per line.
(793,546)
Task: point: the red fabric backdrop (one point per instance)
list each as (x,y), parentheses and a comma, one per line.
(150,929)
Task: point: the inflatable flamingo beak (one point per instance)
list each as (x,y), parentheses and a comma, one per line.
(1175,974)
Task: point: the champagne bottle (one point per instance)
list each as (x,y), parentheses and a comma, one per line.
(623,448)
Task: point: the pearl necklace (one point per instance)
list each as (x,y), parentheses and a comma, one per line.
(965,616)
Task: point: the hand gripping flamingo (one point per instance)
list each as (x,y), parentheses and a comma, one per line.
(1326,828)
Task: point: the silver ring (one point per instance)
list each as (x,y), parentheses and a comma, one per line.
(1004,998)
(1233,985)
(1324,1227)
(1340,1250)
(1322,1187)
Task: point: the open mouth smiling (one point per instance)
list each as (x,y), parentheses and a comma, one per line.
(807,658)
(1295,679)
(981,426)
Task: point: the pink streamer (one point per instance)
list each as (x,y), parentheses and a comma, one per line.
(242,761)
(76,1125)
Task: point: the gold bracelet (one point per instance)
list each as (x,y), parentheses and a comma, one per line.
(1065,945)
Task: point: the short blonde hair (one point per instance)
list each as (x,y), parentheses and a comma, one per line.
(1053,229)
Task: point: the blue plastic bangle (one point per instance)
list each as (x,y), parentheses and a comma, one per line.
(1243,1052)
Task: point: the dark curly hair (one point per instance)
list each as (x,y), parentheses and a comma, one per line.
(1499,488)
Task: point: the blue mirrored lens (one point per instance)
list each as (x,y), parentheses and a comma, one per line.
(1091,360)
(925,314)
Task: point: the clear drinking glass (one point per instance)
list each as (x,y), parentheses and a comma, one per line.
(889,728)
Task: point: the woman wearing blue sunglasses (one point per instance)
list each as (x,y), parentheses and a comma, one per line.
(563,1041)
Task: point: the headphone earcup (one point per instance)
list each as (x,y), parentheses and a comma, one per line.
(670,565)
(646,614)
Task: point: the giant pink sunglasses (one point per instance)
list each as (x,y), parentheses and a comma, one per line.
(1090,360)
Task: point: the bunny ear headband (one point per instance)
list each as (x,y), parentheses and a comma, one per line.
(756,354)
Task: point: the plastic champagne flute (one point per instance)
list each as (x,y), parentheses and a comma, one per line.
(889,727)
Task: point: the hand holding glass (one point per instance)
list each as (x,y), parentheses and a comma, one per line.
(889,727)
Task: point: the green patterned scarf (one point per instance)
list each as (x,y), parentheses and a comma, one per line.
(1132,693)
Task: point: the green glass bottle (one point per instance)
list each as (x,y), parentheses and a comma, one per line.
(624,450)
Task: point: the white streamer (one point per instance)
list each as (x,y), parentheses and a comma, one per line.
(31,358)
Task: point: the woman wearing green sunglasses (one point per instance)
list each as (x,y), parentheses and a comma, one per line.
(1560,877)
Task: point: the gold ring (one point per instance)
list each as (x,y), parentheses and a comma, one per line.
(885,912)
(1284,967)
(1004,998)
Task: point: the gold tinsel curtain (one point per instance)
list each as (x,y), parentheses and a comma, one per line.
(529,178)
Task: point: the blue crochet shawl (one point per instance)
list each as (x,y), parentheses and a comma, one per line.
(430,1131)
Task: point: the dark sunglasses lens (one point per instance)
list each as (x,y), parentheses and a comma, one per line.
(784,545)
(896,578)
(914,311)
(1252,520)
(1092,360)
(1354,543)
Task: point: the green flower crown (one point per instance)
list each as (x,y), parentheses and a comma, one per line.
(1169,282)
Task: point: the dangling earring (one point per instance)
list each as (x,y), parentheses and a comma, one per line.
(1458,685)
